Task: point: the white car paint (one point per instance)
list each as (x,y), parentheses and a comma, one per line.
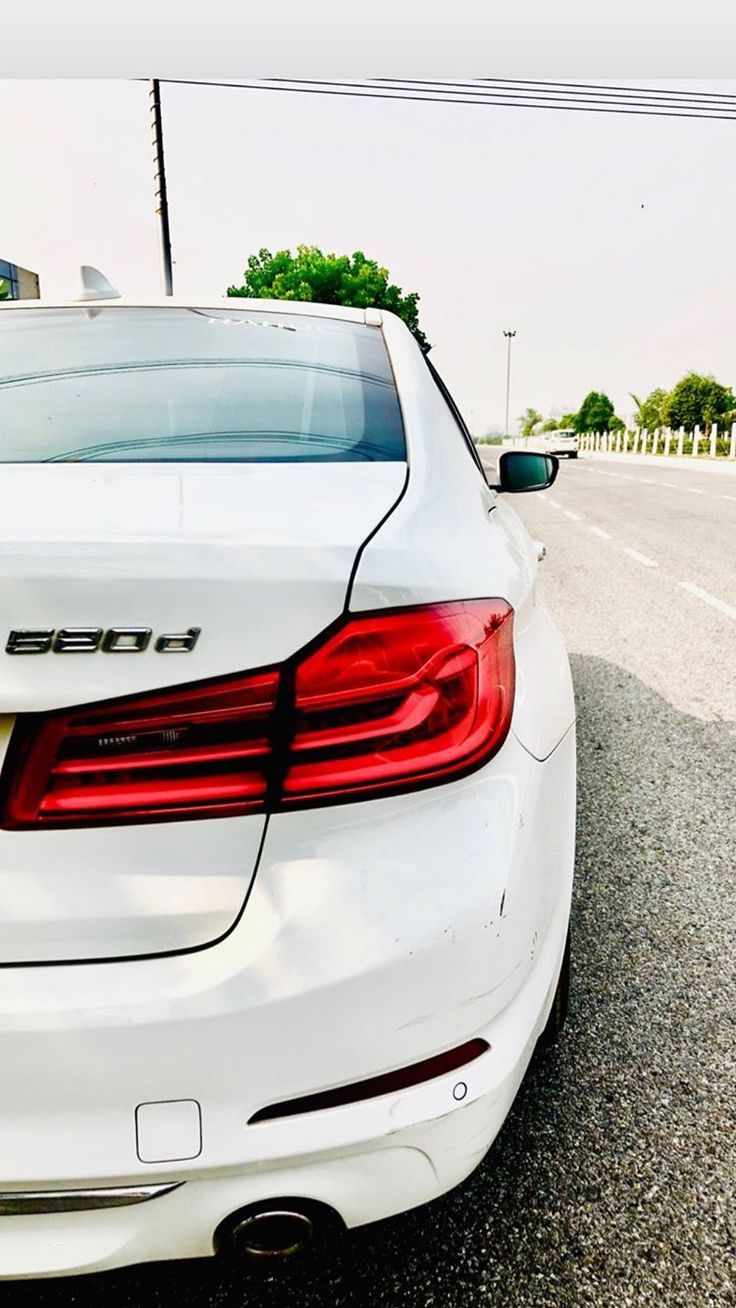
(329,944)
(562,441)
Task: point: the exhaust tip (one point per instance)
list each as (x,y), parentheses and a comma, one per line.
(271,1233)
(276,1228)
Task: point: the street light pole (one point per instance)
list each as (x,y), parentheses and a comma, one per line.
(162,206)
(510,336)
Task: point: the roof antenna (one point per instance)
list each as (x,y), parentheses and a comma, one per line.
(95,285)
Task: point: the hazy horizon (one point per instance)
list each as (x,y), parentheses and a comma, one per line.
(605,241)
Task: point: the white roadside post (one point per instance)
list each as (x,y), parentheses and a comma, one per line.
(714,440)
(732,451)
(680,442)
(635,441)
(696,441)
(644,435)
(618,442)
(626,439)
(667,440)
(655,442)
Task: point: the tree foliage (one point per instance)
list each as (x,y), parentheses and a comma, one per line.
(698,400)
(528,421)
(550,425)
(322,278)
(650,413)
(595,413)
(4,290)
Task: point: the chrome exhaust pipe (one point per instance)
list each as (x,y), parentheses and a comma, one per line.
(271,1233)
(276,1228)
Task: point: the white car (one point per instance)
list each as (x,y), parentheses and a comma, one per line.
(288,785)
(563,441)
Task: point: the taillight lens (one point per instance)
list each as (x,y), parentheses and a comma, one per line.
(387,701)
(401,698)
(199,752)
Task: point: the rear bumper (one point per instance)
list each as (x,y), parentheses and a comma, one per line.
(407,1150)
(376,935)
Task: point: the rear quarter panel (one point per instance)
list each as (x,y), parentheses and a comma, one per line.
(452,537)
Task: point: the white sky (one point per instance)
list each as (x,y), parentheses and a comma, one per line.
(498,217)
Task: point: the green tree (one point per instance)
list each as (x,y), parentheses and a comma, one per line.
(698,400)
(595,413)
(650,412)
(528,421)
(550,425)
(328,279)
(567,420)
(4,290)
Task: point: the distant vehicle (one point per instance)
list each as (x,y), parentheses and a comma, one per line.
(287,802)
(564,441)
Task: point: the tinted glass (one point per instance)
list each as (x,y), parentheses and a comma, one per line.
(136,385)
(520,470)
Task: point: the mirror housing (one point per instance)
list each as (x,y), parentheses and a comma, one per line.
(526,470)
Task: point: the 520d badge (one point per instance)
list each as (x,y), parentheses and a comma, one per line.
(87,640)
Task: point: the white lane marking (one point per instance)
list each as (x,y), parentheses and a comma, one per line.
(729,497)
(555,503)
(569,514)
(713,600)
(694,491)
(598,531)
(640,558)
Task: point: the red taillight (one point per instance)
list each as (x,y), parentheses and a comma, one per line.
(401,698)
(386,702)
(199,752)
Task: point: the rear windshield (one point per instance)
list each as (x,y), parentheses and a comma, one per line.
(191,385)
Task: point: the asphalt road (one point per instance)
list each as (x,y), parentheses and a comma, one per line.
(612,1183)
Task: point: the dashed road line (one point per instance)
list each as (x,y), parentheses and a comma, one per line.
(598,531)
(640,558)
(707,598)
(729,497)
(693,490)
(575,517)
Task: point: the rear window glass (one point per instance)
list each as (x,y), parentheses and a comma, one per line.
(193,385)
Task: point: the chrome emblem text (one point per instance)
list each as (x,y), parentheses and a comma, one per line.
(88,640)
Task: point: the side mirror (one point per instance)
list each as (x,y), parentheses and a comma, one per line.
(526,470)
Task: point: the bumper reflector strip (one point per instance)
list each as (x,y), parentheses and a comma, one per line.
(17,1203)
(388,1083)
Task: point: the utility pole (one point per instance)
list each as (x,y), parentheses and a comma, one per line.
(162,201)
(510,336)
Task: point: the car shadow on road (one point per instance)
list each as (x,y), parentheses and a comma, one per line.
(612,1180)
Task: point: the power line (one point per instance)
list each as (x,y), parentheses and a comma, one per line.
(517,83)
(599,95)
(367,91)
(589,86)
(418,90)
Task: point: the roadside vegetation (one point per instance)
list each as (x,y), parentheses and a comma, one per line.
(695,402)
(348,279)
